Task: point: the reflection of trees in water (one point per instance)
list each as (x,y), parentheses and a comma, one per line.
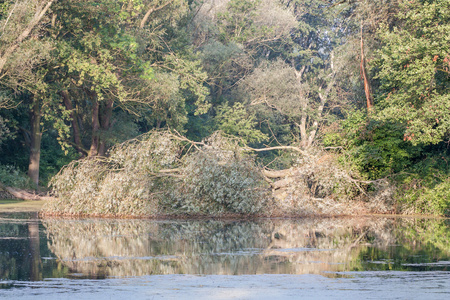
(418,243)
(12,241)
(102,248)
(20,256)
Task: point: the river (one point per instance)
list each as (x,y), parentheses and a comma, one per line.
(308,258)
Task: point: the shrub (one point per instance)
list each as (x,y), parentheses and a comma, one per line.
(427,195)
(11,176)
(377,149)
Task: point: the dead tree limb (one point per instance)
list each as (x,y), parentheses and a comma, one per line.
(278,173)
(277,148)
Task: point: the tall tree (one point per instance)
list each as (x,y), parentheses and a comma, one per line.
(118,54)
(413,68)
(233,35)
(22,53)
(299,84)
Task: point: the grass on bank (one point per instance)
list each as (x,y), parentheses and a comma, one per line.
(15,205)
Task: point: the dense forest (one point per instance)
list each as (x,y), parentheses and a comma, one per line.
(147,107)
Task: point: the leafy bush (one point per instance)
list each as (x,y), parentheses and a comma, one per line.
(237,121)
(4,130)
(425,187)
(376,149)
(11,176)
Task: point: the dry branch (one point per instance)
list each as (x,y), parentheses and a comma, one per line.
(282,183)
(278,173)
(277,148)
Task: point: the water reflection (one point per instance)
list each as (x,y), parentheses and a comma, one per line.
(33,249)
(103,248)
(23,249)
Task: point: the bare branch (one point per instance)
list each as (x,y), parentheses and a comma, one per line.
(152,10)
(277,148)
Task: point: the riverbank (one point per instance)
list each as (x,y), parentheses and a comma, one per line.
(15,205)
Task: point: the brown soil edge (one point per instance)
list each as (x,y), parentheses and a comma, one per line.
(230,216)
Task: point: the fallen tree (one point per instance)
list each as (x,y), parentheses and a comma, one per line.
(23,194)
(164,173)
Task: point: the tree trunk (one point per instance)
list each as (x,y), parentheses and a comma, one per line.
(303,120)
(303,134)
(22,194)
(323,100)
(35,142)
(74,120)
(315,126)
(94,150)
(105,124)
(367,87)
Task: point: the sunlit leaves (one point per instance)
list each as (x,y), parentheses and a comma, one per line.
(238,122)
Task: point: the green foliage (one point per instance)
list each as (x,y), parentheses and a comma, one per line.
(4,130)
(11,176)
(424,186)
(53,157)
(191,78)
(413,69)
(376,148)
(236,121)
(434,200)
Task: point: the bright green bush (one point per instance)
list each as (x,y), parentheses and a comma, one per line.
(376,149)
(426,191)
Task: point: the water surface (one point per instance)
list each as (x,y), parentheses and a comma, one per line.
(370,257)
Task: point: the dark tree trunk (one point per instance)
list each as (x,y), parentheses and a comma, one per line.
(35,142)
(105,124)
(101,122)
(94,150)
(74,120)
